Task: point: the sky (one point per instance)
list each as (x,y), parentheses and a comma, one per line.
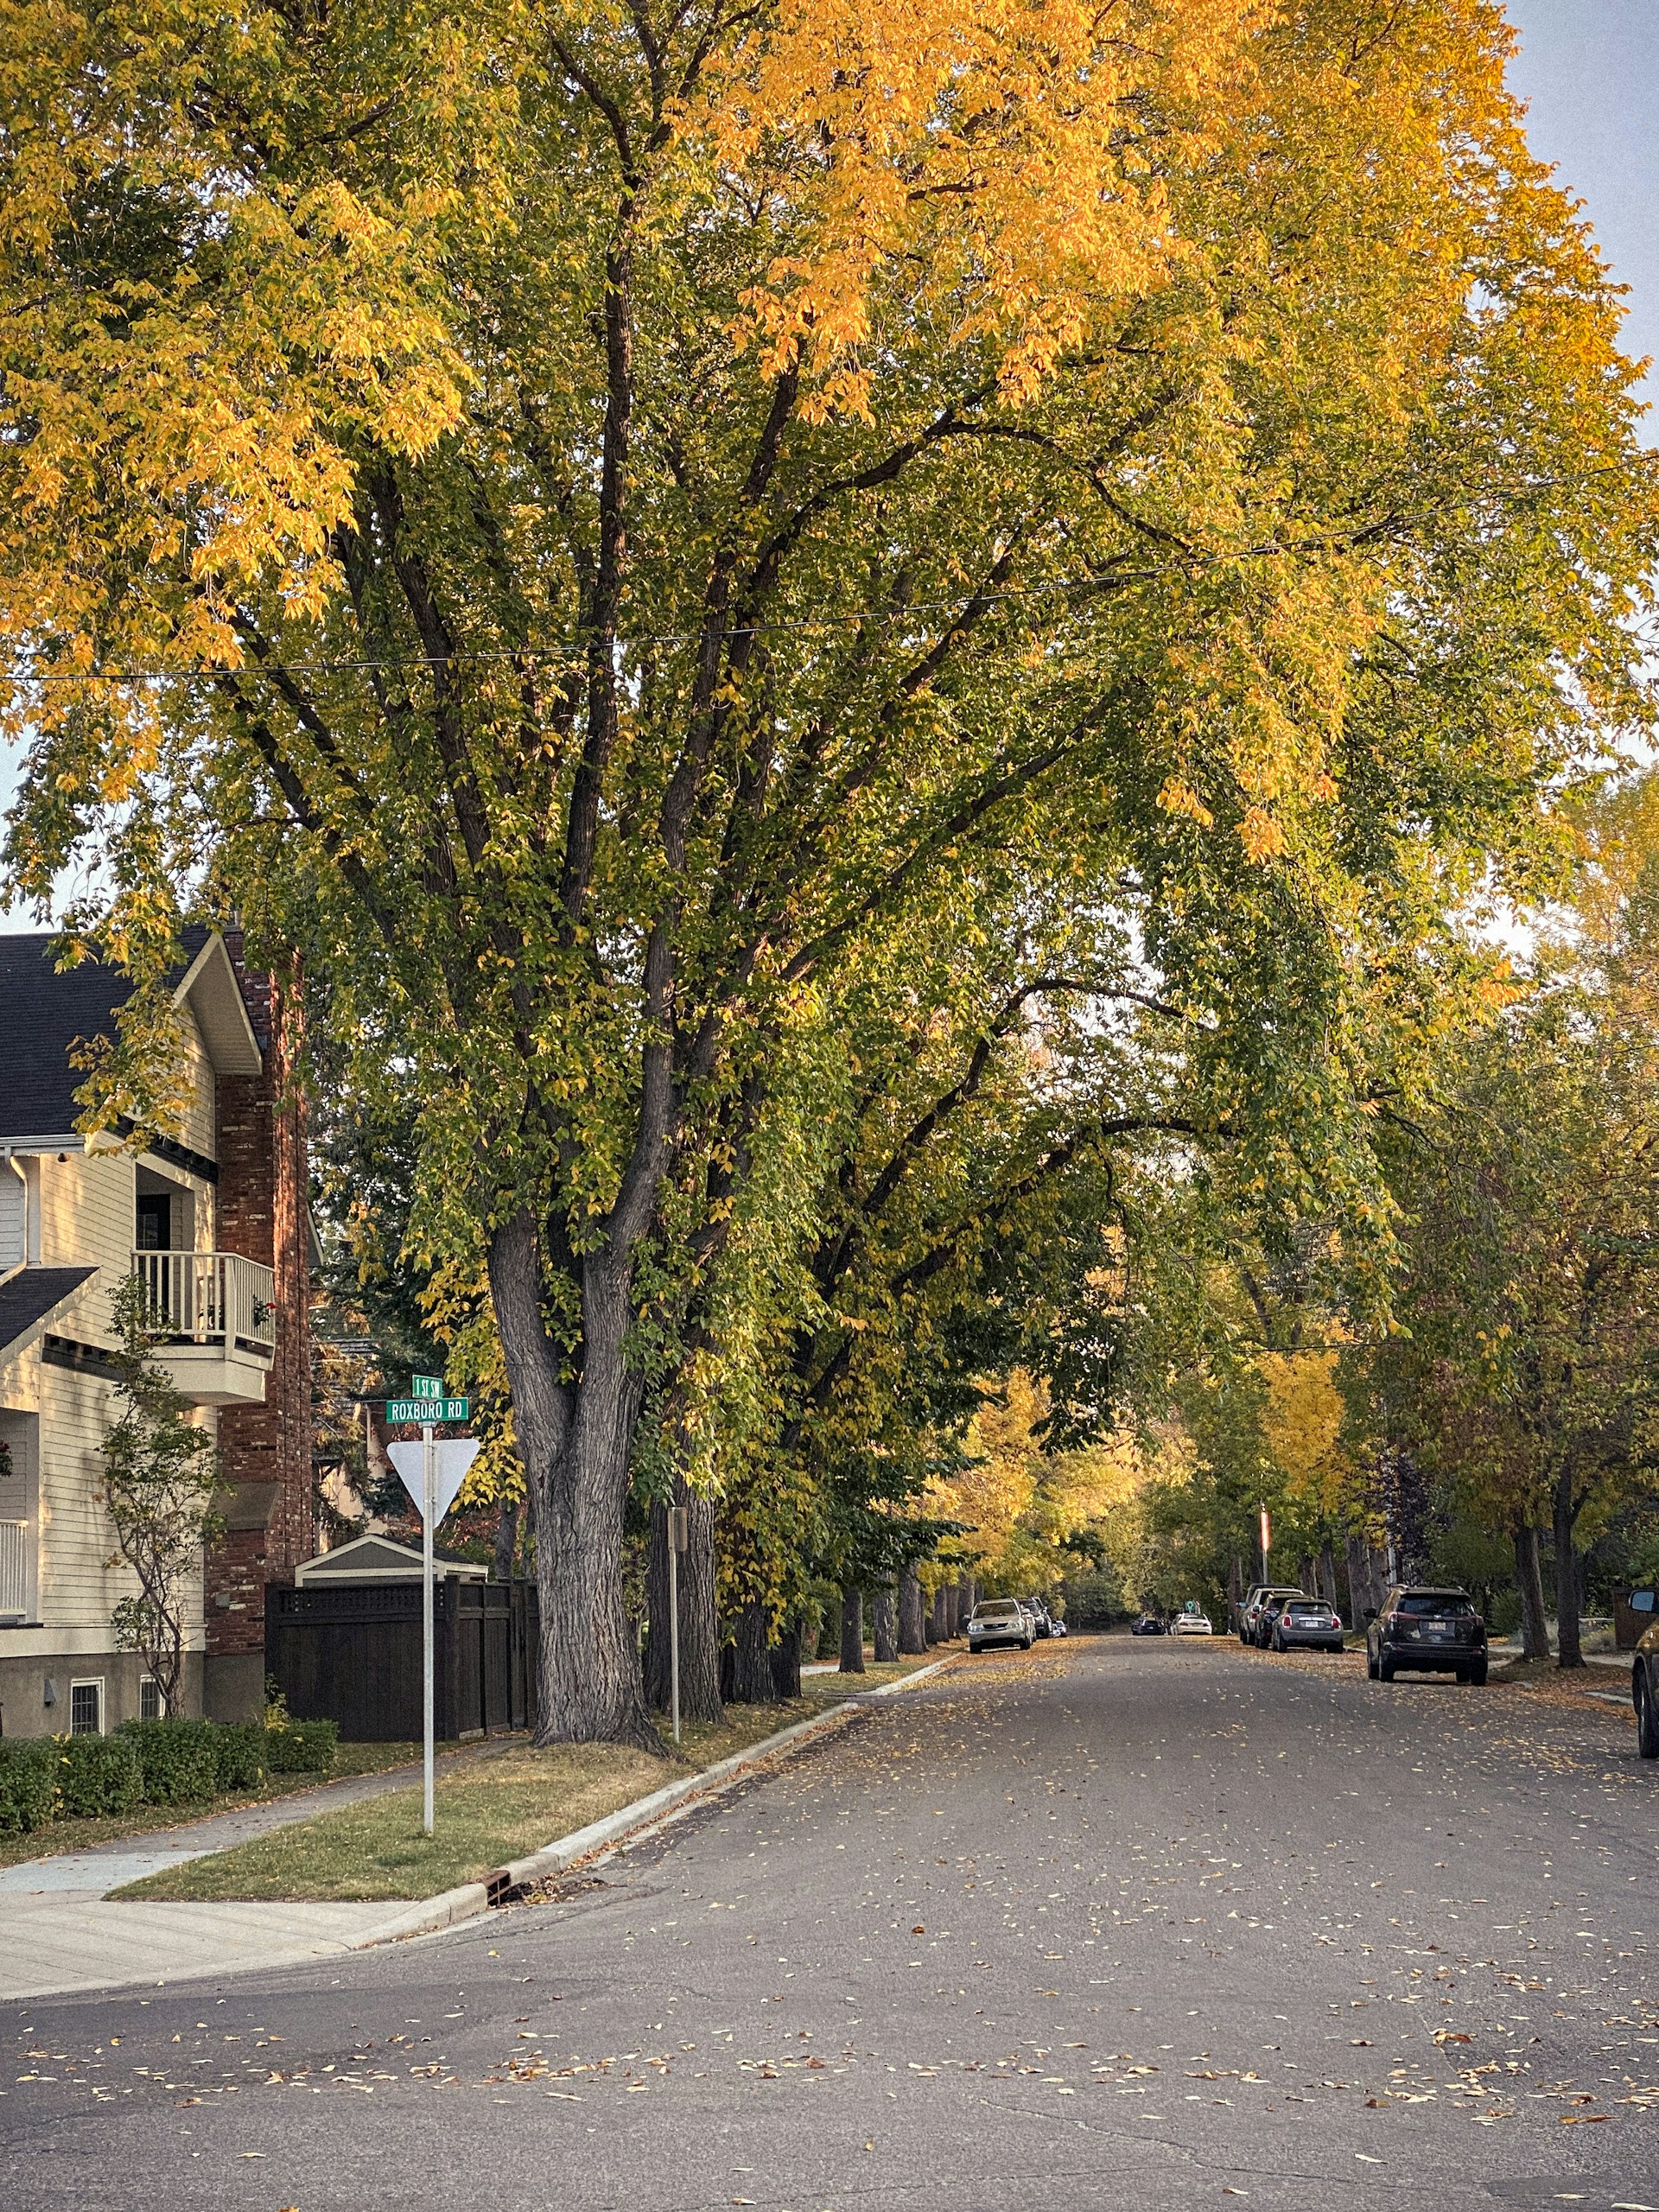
(1589,70)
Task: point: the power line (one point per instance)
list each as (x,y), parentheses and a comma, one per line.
(575,647)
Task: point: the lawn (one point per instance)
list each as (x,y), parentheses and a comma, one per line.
(487,1811)
(153,1820)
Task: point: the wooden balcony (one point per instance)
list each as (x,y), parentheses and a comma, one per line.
(16,1570)
(216,1314)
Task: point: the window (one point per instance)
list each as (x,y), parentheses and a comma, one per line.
(86,1708)
(154,1222)
(150,1699)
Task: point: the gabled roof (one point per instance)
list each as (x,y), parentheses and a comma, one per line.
(43,1012)
(30,1298)
(379,1559)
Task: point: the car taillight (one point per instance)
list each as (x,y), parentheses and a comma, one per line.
(1335,1622)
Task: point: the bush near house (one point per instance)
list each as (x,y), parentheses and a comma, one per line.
(28,1782)
(179,1759)
(301,1746)
(96,1774)
(46,1778)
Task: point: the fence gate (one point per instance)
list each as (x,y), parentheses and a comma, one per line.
(351,1652)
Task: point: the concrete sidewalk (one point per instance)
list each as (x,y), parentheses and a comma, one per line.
(60,1929)
(61,1932)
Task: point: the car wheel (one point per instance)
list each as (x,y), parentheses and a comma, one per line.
(1477,1676)
(1647,1716)
(1279,1644)
(1384,1668)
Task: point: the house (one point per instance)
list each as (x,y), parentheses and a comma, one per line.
(213,1217)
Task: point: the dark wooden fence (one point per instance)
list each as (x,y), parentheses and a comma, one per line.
(352,1653)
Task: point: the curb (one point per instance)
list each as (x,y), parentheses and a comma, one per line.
(428,1915)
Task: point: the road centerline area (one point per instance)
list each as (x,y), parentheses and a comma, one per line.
(1114,1925)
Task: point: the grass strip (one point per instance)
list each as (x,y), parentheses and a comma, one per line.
(485,1812)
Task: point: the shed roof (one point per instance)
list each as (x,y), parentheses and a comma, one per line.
(379,1559)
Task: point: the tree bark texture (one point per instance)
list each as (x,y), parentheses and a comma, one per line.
(1569,1647)
(1530,1578)
(852,1632)
(507,1540)
(1328,1574)
(940,1615)
(884,1624)
(912,1640)
(699,1618)
(574,1438)
(751,1667)
(785,1660)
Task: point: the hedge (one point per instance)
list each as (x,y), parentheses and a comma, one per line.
(28,1782)
(97,1775)
(244,1759)
(179,1759)
(302,1746)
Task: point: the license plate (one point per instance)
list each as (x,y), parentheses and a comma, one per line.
(1437,1634)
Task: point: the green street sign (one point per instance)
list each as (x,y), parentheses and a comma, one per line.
(424,1409)
(426,1386)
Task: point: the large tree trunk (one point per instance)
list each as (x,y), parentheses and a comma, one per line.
(941,1616)
(884,1626)
(785,1657)
(1328,1574)
(699,1614)
(507,1540)
(751,1667)
(1569,1647)
(912,1640)
(1529,1580)
(575,1439)
(852,1632)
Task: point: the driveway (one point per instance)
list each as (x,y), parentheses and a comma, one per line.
(1125,1924)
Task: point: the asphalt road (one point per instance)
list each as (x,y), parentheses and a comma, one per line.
(1125,1924)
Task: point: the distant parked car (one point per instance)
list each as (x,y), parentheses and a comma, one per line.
(1644,1674)
(1436,1631)
(1039,1614)
(1190,1623)
(1000,1620)
(1148,1624)
(1252,1622)
(1304,1624)
(1057,1626)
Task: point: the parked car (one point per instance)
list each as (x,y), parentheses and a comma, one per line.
(1039,1614)
(1000,1620)
(1434,1631)
(1148,1624)
(1302,1624)
(1057,1626)
(1190,1622)
(1644,1674)
(1252,1622)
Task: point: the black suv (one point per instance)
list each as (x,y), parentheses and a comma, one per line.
(1433,1631)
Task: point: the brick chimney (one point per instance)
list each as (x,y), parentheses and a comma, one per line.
(265,1451)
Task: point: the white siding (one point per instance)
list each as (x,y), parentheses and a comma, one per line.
(200,1129)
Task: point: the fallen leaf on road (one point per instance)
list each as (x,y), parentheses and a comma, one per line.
(1573,2118)
(1376,2104)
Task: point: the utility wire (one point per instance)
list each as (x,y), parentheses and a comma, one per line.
(575,647)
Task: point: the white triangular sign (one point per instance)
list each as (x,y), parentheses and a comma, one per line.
(451,1457)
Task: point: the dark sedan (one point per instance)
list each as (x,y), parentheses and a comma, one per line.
(1430,1631)
(1148,1624)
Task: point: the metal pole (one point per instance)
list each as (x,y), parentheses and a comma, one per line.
(428,1487)
(674,1637)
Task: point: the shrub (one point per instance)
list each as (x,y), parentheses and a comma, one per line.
(180,1758)
(28,1782)
(240,1746)
(301,1746)
(97,1774)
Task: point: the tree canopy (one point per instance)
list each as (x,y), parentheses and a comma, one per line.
(611,528)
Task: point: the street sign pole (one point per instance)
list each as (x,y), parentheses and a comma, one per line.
(428,1517)
(677,1536)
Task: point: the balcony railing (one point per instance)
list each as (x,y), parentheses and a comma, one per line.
(207,1298)
(16,1570)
